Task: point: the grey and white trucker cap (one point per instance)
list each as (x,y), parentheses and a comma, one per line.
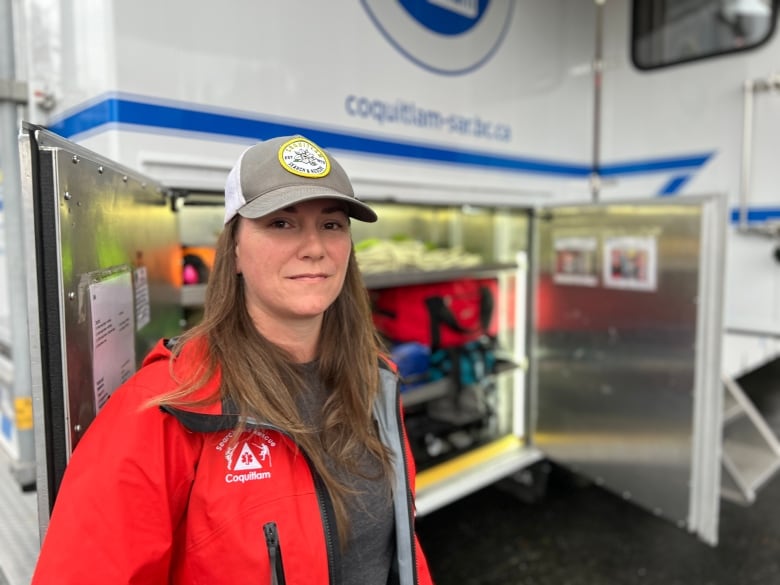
(281,172)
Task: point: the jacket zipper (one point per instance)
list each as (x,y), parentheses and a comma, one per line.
(325,505)
(274,553)
(326,512)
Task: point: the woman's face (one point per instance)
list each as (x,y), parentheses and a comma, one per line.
(293,261)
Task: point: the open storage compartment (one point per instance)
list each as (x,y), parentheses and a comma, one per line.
(464,435)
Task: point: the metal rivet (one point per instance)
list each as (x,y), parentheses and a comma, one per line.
(77,428)
(100,169)
(68,196)
(124,178)
(75,159)
(72,296)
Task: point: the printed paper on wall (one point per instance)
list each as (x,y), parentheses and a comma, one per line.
(113,334)
(630,262)
(575,261)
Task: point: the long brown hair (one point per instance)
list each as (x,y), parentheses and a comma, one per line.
(261,378)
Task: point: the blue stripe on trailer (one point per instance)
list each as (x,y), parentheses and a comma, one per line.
(757,214)
(133,112)
(674,185)
(655,165)
(110,110)
(115,110)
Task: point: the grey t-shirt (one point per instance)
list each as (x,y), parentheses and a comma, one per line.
(367,558)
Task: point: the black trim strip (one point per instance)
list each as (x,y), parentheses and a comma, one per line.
(637,33)
(45,214)
(331,535)
(202,423)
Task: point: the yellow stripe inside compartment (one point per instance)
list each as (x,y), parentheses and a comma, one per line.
(444,471)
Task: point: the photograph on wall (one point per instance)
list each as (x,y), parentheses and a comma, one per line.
(630,262)
(575,261)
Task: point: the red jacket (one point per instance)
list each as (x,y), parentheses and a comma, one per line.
(157,496)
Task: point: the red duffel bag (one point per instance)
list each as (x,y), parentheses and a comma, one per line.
(440,314)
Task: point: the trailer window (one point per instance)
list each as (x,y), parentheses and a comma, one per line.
(667,32)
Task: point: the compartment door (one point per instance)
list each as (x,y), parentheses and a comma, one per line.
(627,336)
(103,278)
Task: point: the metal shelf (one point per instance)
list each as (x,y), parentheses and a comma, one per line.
(193,295)
(426,392)
(409,277)
(441,388)
(475,469)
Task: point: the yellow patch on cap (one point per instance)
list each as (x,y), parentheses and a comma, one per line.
(304,158)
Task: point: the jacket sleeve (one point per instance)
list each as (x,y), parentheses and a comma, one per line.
(123,495)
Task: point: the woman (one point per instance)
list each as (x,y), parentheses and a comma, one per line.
(266,444)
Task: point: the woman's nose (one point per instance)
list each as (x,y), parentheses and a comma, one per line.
(312,243)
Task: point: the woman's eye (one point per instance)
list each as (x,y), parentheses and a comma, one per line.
(279,223)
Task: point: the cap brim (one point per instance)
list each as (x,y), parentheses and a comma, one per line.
(287,196)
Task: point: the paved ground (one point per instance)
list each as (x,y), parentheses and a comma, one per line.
(579,534)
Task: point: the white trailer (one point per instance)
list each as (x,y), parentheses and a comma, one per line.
(508,105)
(513,103)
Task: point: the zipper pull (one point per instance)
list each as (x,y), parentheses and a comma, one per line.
(274,553)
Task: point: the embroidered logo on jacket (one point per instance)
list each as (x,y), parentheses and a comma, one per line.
(249,458)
